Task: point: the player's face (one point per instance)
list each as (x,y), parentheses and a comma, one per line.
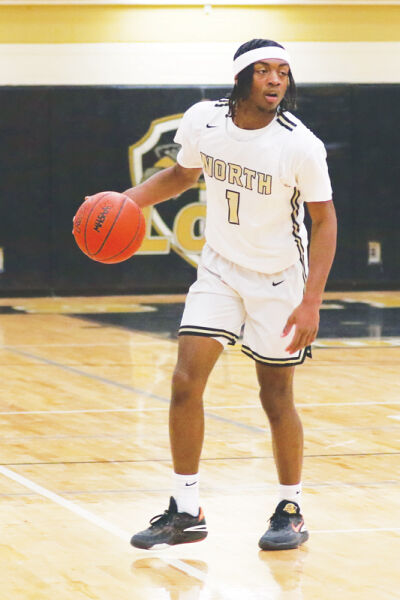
(270,82)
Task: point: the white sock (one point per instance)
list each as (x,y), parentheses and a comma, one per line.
(187,493)
(290,492)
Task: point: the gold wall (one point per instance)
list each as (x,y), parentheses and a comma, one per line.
(94,24)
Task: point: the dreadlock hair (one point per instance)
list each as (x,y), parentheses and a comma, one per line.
(241,89)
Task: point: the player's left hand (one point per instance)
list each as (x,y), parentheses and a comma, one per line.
(305,318)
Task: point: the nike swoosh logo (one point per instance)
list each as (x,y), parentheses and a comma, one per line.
(196,528)
(298,527)
(277,283)
(210,126)
(189,484)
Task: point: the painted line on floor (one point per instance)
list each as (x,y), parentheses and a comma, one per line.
(76,371)
(116,461)
(155,409)
(125,536)
(214,489)
(92,518)
(87,344)
(337,444)
(253,534)
(81,410)
(361,530)
(71,506)
(129,388)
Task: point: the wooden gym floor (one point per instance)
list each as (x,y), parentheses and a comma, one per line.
(85,458)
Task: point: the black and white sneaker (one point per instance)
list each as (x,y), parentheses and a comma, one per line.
(171,528)
(286,528)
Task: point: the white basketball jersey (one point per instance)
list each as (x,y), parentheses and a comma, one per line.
(257,182)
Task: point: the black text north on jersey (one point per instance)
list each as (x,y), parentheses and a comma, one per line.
(236,175)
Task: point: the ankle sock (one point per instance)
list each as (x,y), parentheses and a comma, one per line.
(187,493)
(290,492)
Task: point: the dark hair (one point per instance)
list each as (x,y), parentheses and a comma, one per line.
(242,86)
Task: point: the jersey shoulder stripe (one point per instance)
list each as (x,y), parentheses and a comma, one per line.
(286,122)
(222,102)
(286,119)
(283,124)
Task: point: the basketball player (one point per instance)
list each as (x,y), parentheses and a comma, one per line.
(260,164)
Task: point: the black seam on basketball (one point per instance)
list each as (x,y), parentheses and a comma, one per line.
(87,221)
(112,227)
(131,241)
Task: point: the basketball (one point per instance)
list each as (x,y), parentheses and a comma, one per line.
(109,227)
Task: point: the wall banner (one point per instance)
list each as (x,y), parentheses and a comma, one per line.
(183,231)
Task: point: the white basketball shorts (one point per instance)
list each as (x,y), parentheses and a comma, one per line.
(227,300)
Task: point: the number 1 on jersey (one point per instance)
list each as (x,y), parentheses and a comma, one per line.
(233,206)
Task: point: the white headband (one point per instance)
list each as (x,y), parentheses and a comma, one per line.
(252,56)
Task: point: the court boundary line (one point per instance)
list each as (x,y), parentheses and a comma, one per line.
(92,518)
(106,525)
(123,535)
(361,530)
(225,407)
(169,460)
(267,486)
(317,531)
(129,388)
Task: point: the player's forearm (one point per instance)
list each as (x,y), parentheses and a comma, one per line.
(322,252)
(162,186)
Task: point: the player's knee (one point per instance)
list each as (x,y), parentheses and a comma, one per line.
(185,388)
(271,409)
(277,399)
(276,388)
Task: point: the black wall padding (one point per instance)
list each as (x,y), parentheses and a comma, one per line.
(58,144)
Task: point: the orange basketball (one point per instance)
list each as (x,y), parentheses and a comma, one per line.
(109,227)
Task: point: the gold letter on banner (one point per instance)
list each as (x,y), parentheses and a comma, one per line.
(152,244)
(184,225)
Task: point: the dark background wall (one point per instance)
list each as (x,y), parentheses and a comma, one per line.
(58,144)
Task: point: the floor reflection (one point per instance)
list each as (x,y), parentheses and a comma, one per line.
(286,568)
(181,579)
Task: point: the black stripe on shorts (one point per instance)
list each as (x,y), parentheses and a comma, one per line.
(279,362)
(208,332)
